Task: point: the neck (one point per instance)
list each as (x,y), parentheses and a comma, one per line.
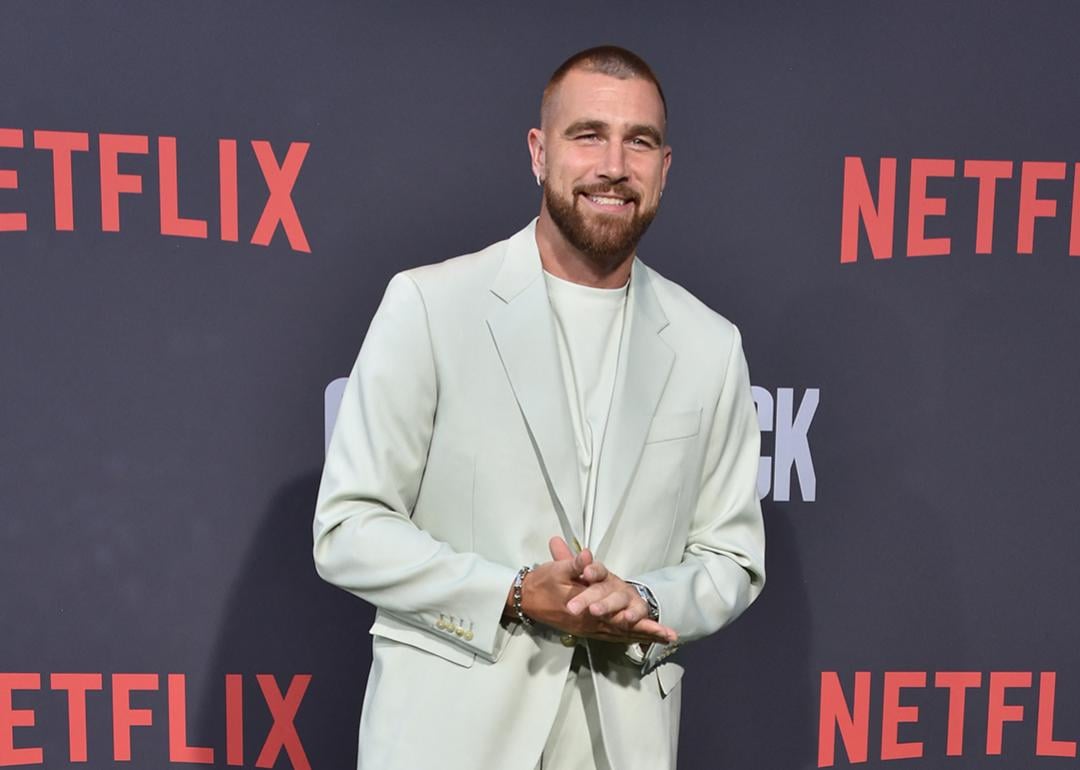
(560,258)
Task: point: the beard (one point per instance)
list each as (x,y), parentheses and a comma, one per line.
(606,239)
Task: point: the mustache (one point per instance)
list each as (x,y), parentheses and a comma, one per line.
(617,191)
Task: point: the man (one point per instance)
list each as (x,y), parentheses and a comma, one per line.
(543,470)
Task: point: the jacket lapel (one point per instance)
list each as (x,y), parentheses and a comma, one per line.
(645,362)
(523,330)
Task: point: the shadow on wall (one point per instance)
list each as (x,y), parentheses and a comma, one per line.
(282,619)
(751,680)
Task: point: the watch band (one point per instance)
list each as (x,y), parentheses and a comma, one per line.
(649,599)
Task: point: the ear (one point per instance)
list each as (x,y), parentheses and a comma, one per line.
(666,166)
(537,153)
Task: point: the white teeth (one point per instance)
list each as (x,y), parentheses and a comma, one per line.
(606,201)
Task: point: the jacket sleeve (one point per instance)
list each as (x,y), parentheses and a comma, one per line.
(723,565)
(364,538)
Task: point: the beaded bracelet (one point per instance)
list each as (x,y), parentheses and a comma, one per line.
(519,581)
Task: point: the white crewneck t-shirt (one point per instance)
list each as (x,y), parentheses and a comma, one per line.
(588,330)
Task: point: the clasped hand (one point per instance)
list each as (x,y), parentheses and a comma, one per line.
(578,595)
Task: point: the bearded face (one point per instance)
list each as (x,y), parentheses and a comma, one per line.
(603,160)
(602,221)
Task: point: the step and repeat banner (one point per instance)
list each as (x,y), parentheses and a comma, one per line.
(200,207)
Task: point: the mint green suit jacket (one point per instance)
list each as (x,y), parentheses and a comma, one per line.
(453,462)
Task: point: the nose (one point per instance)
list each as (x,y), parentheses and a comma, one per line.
(613,164)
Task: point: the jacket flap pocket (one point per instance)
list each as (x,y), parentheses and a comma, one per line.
(668,675)
(665,427)
(389,627)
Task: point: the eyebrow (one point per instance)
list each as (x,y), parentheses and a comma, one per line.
(585,125)
(644,129)
(599,126)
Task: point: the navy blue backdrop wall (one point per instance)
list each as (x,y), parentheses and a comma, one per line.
(201,203)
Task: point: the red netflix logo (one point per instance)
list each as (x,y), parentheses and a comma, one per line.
(280,178)
(848,713)
(877,211)
(282,736)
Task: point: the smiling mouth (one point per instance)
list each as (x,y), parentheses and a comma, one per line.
(608,201)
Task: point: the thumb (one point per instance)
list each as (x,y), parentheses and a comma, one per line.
(560,551)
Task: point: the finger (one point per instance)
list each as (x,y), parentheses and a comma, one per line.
(668,635)
(596,572)
(560,551)
(593,593)
(582,560)
(564,568)
(634,611)
(610,604)
(625,637)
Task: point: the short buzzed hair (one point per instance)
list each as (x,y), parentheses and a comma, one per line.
(607,60)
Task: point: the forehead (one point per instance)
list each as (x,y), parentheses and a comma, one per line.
(594,96)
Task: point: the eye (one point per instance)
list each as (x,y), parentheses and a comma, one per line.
(591,136)
(642,143)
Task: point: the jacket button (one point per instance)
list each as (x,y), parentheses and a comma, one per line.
(468,636)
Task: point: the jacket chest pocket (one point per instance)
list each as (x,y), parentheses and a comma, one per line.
(672,426)
(653,505)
